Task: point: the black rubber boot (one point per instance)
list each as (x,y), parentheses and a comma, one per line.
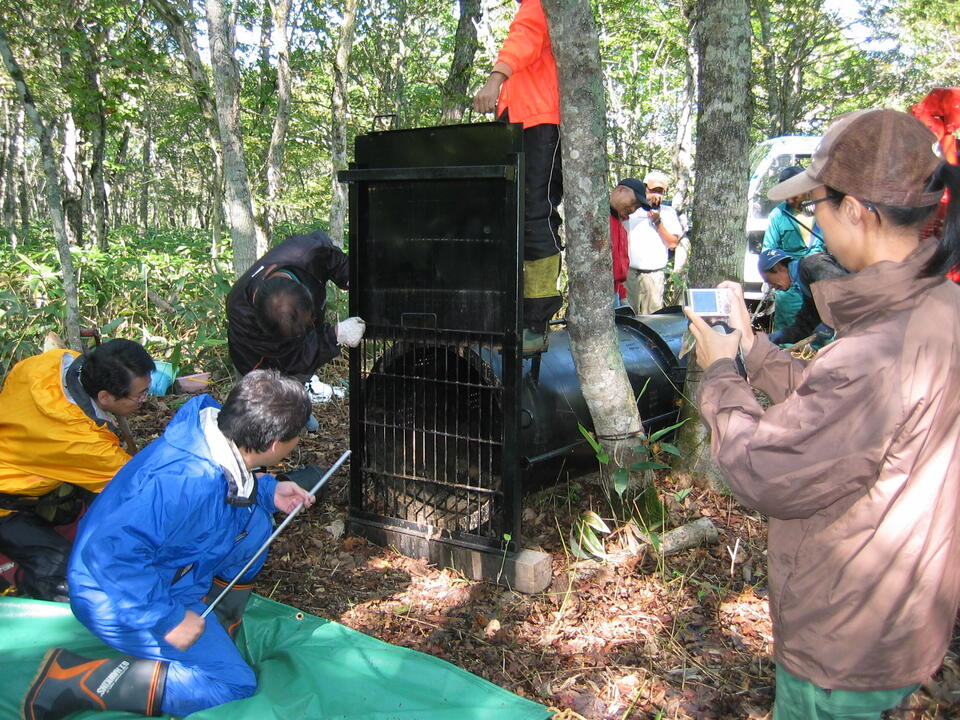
(229,610)
(67,683)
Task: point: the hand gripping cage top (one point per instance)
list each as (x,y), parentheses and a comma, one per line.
(435,238)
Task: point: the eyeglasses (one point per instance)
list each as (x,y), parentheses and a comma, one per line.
(809,205)
(140,397)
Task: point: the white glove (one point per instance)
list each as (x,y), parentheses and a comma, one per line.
(318,390)
(350,331)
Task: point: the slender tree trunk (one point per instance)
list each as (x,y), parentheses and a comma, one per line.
(20,172)
(266,75)
(340,117)
(186,39)
(278,138)
(54,194)
(226,84)
(72,177)
(11,176)
(116,179)
(6,146)
(683,146)
(771,82)
(146,169)
(593,337)
(465,47)
(95,121)
(722,32)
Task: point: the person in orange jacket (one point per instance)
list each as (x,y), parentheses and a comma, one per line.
(58,427)
(523,88)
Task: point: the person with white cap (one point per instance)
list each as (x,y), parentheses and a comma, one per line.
(652,234)
(857,460)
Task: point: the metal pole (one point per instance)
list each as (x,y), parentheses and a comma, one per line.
(276,532)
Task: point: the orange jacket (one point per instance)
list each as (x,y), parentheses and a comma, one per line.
(531,91)
(47,440)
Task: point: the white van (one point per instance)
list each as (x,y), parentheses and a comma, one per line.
(767,160)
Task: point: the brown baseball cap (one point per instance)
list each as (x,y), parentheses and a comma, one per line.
(881,156)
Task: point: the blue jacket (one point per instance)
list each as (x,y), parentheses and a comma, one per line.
(152,542)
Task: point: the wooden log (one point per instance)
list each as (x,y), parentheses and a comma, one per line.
(696,533)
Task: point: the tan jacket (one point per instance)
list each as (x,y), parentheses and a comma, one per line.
(857,464)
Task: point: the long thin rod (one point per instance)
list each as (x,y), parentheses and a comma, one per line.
(276,532)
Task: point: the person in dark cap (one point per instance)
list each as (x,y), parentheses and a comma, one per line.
(653,231)
(627,197)
(790,231)
(856,460)
(782,272)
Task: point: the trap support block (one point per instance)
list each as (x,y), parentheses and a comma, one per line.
(526,571)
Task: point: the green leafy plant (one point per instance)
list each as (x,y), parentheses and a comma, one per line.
(639,511)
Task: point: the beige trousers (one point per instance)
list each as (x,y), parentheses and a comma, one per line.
(645,291)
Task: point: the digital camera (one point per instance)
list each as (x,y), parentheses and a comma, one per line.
(709,302)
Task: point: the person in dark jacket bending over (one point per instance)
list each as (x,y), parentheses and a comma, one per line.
(275,312)
(179,521)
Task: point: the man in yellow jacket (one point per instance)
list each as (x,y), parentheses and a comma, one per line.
(58,414)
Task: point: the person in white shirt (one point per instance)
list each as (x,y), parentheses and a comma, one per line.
(652,235)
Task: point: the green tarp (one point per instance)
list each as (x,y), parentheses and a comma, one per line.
(307,667)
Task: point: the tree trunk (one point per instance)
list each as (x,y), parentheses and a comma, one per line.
(11,176)
(340,116)
(226,83)
(186,39)
(54,194)
(20,175)
(146,171)
(95,122)
(722,32)
(116,179)
(465,47)
(266,76)
(682,166)
(72,182)
(768,62)
(278,138)
(593,338)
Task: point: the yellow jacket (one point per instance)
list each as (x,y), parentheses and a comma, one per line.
(46,439)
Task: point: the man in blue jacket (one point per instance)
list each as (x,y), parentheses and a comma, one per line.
(184,511)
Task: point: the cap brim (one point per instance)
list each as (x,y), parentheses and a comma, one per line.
(799,184)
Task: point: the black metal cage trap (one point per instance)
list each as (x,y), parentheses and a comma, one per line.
(435,238)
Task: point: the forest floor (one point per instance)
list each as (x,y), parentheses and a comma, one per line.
(686,637)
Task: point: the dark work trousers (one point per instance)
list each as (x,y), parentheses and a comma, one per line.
(543,192)
(40,551)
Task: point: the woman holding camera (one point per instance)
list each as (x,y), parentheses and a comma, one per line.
(857,462)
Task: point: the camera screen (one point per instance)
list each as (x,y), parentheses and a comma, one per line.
(709,302)
(704,301)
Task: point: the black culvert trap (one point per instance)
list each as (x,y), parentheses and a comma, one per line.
(446,420)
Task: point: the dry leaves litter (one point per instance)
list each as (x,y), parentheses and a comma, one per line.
(688,637)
